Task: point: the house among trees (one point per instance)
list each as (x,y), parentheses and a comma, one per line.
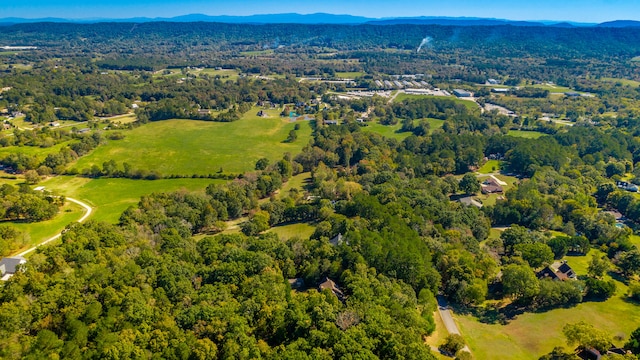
(336,240)
(560,272)
(330,285)
(491,186)
(9,266)
(627,186)
(470,201)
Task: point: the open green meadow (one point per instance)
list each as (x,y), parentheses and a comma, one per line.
(301,230)
(39,231)
(349,74)
(622,81)
(531,335)
(553,88)
(229,74)
(110,197)
(299,182)
(525,134)
(490,167)
(199,147)
(392,131)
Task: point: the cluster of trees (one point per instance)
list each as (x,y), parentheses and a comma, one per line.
(11,239)
(131,295)
(54,163)
(22,203)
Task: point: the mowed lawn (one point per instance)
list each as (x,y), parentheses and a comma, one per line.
(526,134)
(199,147)
(110,197)
(288,231)
(392,131)
(490,167)
(43,230)
(531,335)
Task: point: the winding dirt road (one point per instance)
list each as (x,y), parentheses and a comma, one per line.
(84,217)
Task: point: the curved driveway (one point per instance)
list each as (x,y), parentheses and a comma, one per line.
(83,218)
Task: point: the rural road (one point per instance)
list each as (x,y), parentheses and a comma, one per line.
(447,318)
(83,218)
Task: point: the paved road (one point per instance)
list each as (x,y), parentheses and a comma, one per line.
(83,218)
(447,318)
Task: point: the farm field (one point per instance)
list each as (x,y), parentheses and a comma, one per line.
(110,197)
(622,81)
(229,74)
(526,134)
(197,147)
(349,74)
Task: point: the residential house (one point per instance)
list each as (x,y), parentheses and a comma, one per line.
(330,285)
(589,354)
(470,201)
(557,271)
(627,186)
(490,186)
(9,266)
(336,240)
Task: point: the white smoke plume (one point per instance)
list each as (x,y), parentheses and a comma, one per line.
(425,42)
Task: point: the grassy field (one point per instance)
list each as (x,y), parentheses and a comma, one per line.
(39,231)
(199,147)
(526,134)
(553,88)
(302,230)
(299,182)
(39,152)
(230,74)
(110,197)
(349,75)
(531,335)
(123,119)
(438,337)
(391,131)
(622,81)
(490,166)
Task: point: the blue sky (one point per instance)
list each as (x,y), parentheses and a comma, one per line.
(572,10)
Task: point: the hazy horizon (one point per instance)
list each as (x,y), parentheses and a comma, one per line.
(587,11)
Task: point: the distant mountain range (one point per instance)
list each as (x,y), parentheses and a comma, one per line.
(322,18)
